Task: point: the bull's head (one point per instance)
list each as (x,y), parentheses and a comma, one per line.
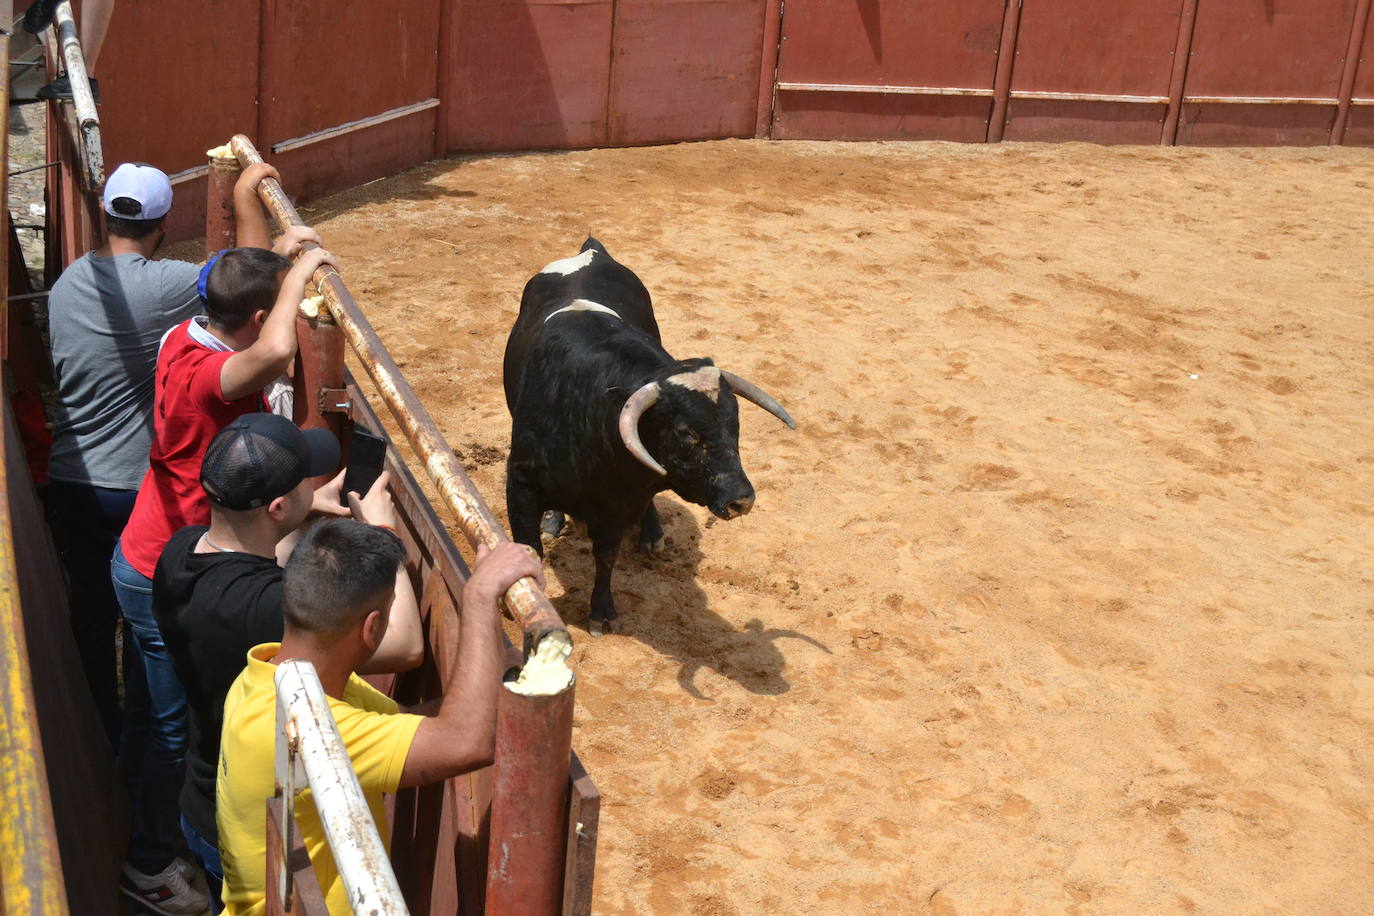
(692,433)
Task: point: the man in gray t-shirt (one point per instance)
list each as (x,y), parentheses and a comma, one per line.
(107,313)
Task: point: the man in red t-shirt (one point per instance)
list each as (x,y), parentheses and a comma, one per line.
(211,370)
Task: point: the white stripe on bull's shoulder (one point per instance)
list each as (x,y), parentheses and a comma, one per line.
(705,380)
(585,305)
(570,265)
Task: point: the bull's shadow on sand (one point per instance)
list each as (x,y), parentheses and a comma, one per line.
(662,606)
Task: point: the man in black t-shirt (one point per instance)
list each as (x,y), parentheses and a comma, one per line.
(217,590)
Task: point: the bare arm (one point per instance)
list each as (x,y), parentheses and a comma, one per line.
(462,736)
(250,221)
(249,370)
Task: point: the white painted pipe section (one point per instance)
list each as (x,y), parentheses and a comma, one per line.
(349,127)
(884,90)
(309,746)
(88,122)
(75,63)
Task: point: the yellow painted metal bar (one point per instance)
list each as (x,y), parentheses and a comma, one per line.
(30,865)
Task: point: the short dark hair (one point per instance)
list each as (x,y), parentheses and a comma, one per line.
(336,573)
(242,281)
(126,228)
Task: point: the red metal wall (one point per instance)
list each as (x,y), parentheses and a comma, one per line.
(1273,48)
(554,74)
(550,74)
(1237,71)
(1088,47)
(870,44)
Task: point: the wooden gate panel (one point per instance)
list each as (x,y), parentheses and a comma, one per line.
(1270,49)
(1088,48)
(685,70)
(900,46)
(528,74)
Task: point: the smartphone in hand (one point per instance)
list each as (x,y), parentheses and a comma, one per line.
(366,459)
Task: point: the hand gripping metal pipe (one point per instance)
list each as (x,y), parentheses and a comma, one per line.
(525,600)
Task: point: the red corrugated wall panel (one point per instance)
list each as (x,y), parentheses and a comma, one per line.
(946,45)
(1265,48)
(177,77)
(529,74)
(325,64)
(1086,46)
(685,70)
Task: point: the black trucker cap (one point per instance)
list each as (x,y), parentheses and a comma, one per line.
(261,456)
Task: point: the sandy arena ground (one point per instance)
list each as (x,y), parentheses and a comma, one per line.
(1061,597)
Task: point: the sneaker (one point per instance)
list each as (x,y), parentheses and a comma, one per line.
(193,874)
(167,892)
(60,89)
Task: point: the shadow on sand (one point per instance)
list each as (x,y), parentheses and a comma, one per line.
(662,606)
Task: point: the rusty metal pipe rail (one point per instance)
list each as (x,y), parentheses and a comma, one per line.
(525,600)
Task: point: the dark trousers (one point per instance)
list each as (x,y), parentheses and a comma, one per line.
(86,523)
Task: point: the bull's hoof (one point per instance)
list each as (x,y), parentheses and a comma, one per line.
(600,627)
(552,524)
(653,548)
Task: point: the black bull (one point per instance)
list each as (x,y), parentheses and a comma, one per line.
(602,417)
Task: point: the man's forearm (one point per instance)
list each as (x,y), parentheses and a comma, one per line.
(251,229)
(279,330)
(472,688)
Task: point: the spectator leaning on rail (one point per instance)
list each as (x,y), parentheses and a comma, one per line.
(217,591)
(336,591)
(208,374)
(107,312)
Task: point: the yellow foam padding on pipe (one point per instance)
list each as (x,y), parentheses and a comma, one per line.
(546,672)
(220,152)
(313,306)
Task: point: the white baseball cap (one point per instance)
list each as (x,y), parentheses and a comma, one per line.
(142,183)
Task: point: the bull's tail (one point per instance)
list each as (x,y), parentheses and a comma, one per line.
(593,244)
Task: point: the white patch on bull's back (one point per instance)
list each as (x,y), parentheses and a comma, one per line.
(585,305)
(570,265)
(705,380)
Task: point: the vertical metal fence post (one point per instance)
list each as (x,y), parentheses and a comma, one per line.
(220,230)
(1178,74)
(529,805)
(321,395)
(1349,70)
(1001,80)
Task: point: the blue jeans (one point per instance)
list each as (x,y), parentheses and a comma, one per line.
(152,749)
(207,854)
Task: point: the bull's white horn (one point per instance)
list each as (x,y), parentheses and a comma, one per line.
(751,392)
(634,408)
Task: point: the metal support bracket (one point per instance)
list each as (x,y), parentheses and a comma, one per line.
(336,400)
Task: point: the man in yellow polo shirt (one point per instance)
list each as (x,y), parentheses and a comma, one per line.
(336,592)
